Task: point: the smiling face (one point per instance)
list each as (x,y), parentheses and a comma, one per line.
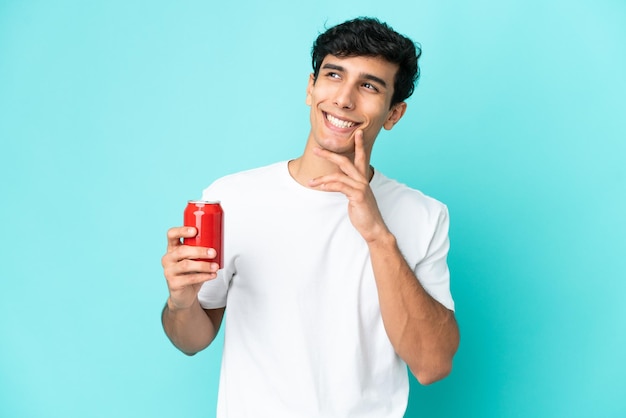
(350,94)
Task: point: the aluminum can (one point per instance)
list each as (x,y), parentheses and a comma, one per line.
(208,218)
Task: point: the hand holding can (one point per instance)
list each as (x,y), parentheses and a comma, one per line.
(208,219)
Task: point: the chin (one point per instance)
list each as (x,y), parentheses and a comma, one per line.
(337,145)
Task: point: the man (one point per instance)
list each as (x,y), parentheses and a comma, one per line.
(335,277)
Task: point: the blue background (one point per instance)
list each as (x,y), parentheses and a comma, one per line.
(114,113)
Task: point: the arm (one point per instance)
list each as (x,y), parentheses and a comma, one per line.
(191,330)
(189,327)
(422,331)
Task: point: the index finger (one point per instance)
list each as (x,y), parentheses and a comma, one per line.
(360,162)
(175,234)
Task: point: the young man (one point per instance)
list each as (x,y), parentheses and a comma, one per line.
(339,279)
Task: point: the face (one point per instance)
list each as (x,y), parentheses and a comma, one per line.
(350,94)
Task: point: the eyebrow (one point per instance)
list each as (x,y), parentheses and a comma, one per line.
(363,75)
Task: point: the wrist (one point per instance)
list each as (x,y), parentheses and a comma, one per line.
(382,239)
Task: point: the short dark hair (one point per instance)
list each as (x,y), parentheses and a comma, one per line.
(365,36)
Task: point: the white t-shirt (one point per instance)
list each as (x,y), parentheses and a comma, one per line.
(303,330)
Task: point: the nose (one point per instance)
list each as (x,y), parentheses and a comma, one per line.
(344,97)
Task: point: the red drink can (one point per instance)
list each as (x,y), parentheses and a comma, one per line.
(208,218)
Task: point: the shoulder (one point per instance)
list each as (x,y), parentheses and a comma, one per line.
(417,220)
(393,196)
(252,178)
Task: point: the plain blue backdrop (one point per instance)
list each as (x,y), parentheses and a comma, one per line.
(114,113)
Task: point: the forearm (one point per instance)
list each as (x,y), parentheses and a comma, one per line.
(191,329)
(423,332)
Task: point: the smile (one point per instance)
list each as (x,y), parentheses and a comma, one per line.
(339,123)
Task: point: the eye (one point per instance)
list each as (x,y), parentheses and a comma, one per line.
(370,86)
(331,74)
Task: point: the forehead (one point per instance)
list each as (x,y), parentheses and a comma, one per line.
(365,65)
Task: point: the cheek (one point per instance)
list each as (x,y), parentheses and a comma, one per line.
(315,118)
(375,118)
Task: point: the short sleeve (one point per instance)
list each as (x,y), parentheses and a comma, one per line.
(432,271)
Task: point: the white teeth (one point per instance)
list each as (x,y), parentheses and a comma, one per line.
(338,122)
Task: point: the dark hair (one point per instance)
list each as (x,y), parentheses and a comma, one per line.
(366,36)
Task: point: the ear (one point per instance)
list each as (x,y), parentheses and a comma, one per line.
(309,90)
(396,112)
